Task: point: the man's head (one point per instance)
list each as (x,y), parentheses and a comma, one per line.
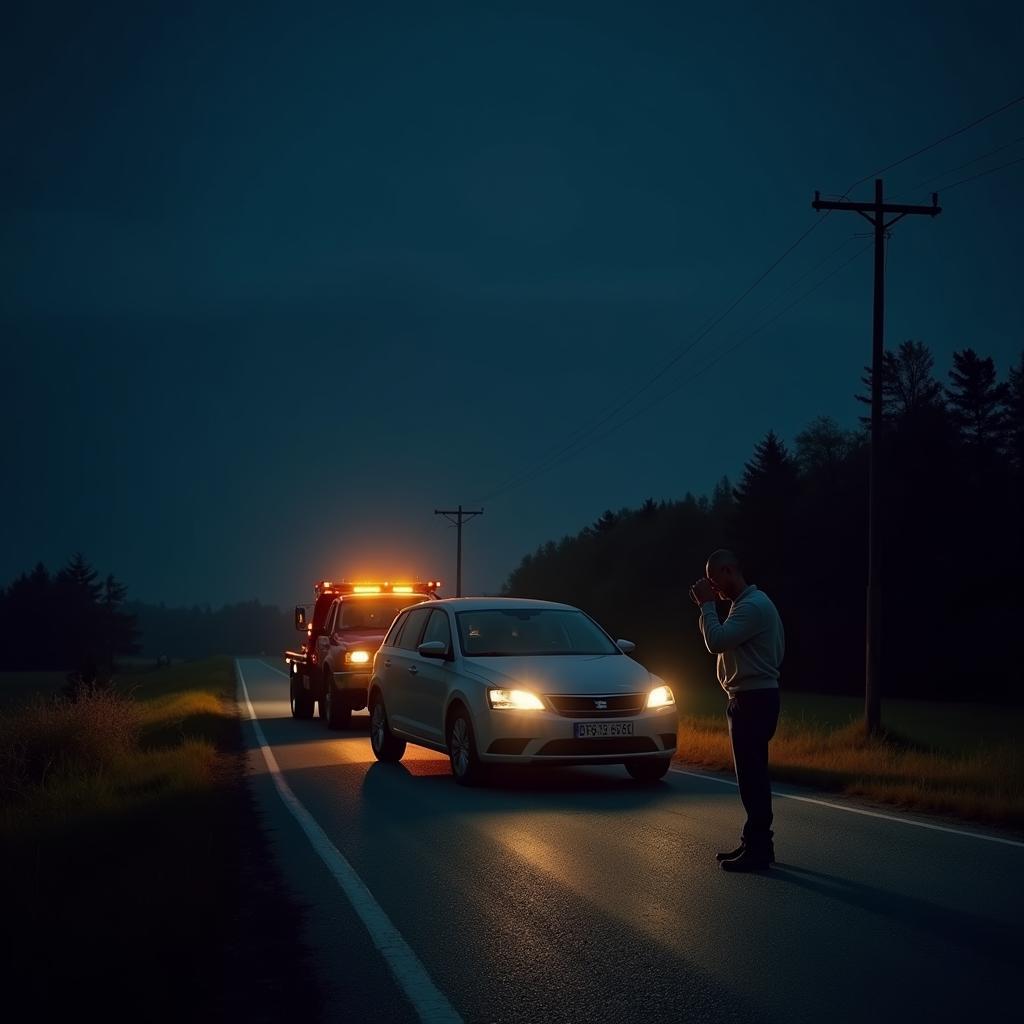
(723,569)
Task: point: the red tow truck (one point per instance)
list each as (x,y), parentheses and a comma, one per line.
(348,623)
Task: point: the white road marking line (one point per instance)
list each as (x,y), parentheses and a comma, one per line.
(861,810)
(427,1000)
(840,807)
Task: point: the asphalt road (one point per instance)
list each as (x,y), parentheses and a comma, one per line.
(576,895)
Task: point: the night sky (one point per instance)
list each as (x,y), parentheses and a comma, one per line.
(277,280)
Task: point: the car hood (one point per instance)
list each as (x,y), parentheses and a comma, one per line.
(568,673)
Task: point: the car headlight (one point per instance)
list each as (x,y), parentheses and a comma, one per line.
(357,657)
(515,700)
(660,697)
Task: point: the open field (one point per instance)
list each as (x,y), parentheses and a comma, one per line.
(958,759)
(134,850)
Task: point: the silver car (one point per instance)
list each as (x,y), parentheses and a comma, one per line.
(508,681)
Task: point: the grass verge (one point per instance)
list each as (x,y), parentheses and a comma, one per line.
(943,760)
(138,881)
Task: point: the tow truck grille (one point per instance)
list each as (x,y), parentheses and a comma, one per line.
(597,705)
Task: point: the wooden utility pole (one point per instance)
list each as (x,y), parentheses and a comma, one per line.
(875,213)
(461,515)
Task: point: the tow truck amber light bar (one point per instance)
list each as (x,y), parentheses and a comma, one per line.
(344,587)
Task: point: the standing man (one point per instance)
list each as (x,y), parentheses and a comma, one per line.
(749,645)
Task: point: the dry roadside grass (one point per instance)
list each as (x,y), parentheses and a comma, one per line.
(134,853)
(984,785)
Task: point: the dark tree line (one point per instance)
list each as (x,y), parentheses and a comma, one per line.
(74,621)
(248,627)
(952,561)
(71,620)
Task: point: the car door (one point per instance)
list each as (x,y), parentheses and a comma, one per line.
(429,688)
(402,665)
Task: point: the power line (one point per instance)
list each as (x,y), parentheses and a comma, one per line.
(651,381)
(959,167)
(541,470)
(579,434)
(982,174)
(937,142)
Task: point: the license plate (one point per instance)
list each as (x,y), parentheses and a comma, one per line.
(601,730)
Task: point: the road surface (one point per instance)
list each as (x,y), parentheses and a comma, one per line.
(577,895)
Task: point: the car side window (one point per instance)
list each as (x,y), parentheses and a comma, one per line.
(438,629)
(391,640)
(410,637)
(329,624)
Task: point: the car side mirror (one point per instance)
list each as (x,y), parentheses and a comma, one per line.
(300,617)
(433,649)
(626,646)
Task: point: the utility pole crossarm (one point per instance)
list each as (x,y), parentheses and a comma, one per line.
(901,208)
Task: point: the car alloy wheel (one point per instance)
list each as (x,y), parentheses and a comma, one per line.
(386,746)
(460,747)
(377,727)
(466,766)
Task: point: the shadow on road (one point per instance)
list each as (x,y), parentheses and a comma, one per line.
(980,935)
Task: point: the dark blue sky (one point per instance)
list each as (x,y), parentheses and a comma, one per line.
(276,280)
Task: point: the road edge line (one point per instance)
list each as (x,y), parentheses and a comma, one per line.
(429,1003)
(863,811)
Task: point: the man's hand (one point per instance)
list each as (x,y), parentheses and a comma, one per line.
(702,591)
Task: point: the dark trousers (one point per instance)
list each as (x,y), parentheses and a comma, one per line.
(753,717)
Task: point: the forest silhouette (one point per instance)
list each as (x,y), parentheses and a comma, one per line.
(953,479)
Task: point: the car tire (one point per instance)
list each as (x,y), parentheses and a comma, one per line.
(334,715)
(467,767)
(386,746)
(650,769)
(302,699)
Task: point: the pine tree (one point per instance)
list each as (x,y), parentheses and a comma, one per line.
(908,384)
(1014,409)
(76,595)
(765,504)
(977,401)
(822,446)
(119,628)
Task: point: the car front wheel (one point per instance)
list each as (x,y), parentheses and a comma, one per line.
(466,764)
(650,769)
(385,744)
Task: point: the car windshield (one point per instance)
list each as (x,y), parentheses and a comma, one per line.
(373,612)
(514,632)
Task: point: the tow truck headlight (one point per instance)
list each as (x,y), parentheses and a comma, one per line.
(357,657)
(514,700)
(660,697)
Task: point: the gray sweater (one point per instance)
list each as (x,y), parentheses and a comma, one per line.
(749,644)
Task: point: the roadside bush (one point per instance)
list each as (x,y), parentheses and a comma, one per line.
(55,740)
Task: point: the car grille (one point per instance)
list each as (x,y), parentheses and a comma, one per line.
(617,705)
(588,748)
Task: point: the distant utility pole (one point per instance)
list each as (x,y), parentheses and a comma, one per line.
(461,515)
(875,213)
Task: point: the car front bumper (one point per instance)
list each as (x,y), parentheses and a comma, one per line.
(546,737)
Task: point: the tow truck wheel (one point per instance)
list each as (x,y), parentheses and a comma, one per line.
(650,769)
(302,700)
(334,716)
(386,746)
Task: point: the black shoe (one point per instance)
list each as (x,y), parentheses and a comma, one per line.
(748,860)
(733,854)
